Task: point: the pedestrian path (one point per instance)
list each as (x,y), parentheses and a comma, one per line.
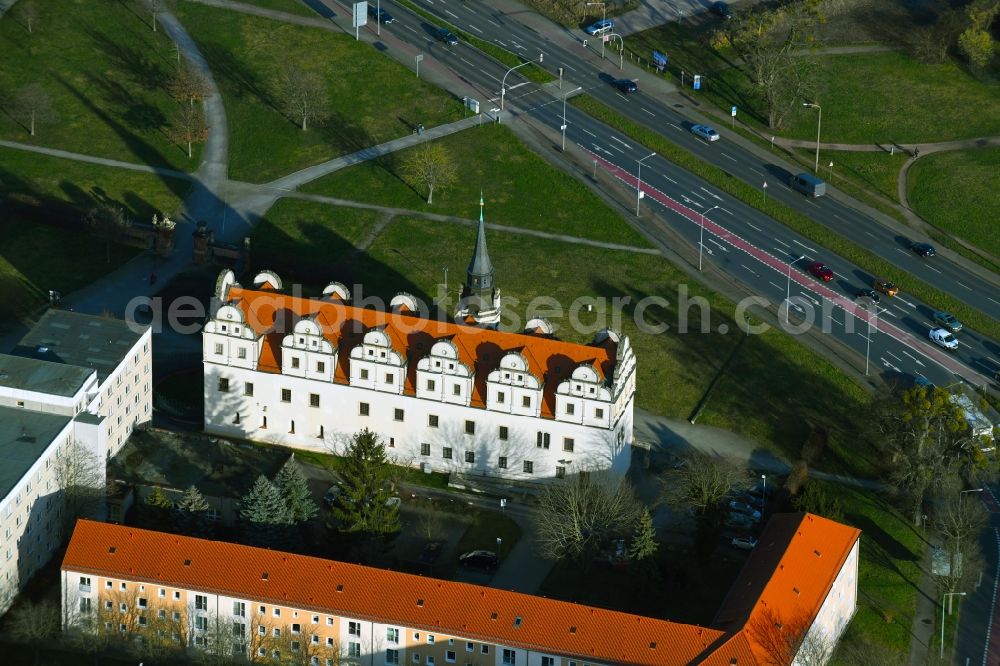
(102,161)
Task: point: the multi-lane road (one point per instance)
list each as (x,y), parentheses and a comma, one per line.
(764,255)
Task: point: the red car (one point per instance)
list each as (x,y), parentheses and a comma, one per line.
(820,270)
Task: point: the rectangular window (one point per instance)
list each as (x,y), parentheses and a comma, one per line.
(529,467)
(354,628)
(200,602)
(560,472)
(363,373)
(430,639)
(218,348)
(469,647)
(398,414)
(241,352)
(239,629)
(425,449)
(390,379)
(568,444)
(354,649)
(286,395)
(470,457)
(391,657)
(485,649)
(456,389)
(223,384)
(201,623)
(599,413)
(504,433)
(430,660)
(446,453)
(143,602)
(509,657)
(432,420)
(526,401)
(570,410)
(296,628)
(501,397)
(470,427)
(314,399)
(392,634)
(543,440)
(295,361)
(548,661)
(363,409)
(502,462)
(84,604)
(248,389)
(320,366)
(431,385)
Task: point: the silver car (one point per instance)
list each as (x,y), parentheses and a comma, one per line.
(705,132)
(942,337)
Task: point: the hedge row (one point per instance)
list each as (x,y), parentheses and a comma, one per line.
(800,223)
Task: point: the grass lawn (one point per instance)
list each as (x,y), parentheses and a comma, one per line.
(372,98)
(290,6)
(520,188)
(877,172)
(774,393)
(957,191)
(889,570)
(687,592)
(404,474)
(104,71)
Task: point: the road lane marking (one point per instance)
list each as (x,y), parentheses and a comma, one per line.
(698,195)
(648,111)
(871,234)
(993,299)
(614,138)
(675,127)
(669,178)
(803,245)
(903,251)
(572,69)
(721,246)
(912,357)
(776,285)
(466,61)
(939,272)
(993,360)
(411,29)
(450,13)
(588,132)
(710,194)
(894,356)
(900,298)
(494,23)
(752,226)
(725,211)
(750,270)
(500,43)
(622,96)
(518,85)
(778,240)
(728,156)
(963,285)
(476,29)
(900,309)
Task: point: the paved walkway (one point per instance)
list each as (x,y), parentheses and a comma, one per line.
(102,161)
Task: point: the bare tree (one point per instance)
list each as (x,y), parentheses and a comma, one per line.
(27,13)
(431,165)
(778,637)
(33,104)
(107,222)
(431,526)
(303,95)
(960,521)
(869,653)
(188,126)
(79,473)
(580,516)
(702,483)
(188,85)
(35,624)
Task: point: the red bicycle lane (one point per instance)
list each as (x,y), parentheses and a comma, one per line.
(764,257)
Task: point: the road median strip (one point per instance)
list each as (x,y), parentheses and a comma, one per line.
(796,221)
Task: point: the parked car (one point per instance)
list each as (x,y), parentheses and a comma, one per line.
(745,509)
(923,249)
(763,490)
(821,271)
(481,560)
(447,36)
(886,287)
(868,293)
(627,86)
(745,542)
(943,338)
(947,320)
(600,27)
(721,10)
(330,497)
(739,521)
(752,500)
(705,132)
(380,15)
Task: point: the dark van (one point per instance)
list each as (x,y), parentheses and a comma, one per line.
(808,184)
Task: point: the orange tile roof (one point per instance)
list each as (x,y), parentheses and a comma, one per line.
(550,360)
(354,591)
(790,572)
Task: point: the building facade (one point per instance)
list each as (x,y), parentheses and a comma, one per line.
(238,600)
(310,373)
(119,353)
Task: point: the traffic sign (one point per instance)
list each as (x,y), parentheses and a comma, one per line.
(733,112)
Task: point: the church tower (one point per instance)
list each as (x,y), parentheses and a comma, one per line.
(480,297)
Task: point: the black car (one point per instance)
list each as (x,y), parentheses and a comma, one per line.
(721,10)
(482,560)
(380,15)
(868,293)
(923,249)
(447,36)
(627,86)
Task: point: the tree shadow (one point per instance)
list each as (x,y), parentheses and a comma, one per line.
(134,62)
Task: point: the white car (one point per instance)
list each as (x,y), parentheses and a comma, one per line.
(600,27)
(942,337)
(705,132)
(744,543)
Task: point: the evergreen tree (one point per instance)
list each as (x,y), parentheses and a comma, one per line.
(192,512)
(156,508)
(643,544)
(291,483)
(363,505)
(264,514)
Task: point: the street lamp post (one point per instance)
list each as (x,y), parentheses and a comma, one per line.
(788,287)
(701,235)
(604,7)
(503,83)
(868,344)
(947,597)
(638,183)
(819,123)
(763,494)
(563,128)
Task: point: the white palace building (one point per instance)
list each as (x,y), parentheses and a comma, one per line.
(309,373)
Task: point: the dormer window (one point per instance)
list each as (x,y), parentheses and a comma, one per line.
(382,354)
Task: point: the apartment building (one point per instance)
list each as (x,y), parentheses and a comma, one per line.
(265,604)
(46,433)
(311,372)
(120,355)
